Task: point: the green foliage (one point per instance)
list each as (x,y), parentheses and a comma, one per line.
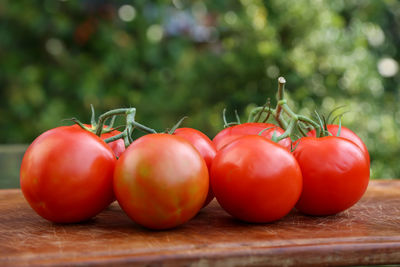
(194,58)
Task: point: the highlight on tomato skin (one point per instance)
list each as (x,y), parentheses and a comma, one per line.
(204,146)
(347,134)
(232,133)
(161,181)
(256,180)
(335,174)
(66,175)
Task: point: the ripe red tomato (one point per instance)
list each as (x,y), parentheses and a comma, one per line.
(335,174)
(232,133)
(117,146)
(161,181)
(66,175)
(206,148)
(347,134)
(255,179)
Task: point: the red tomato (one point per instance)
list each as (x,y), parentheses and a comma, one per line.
(66,175)
(347,134)
(161,181)
(255,179)
(117,146)
(230,134)
(335,174)
(206,148)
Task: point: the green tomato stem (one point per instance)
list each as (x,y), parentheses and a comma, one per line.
(301,130)
(308,121)
(288,131)
(280,97)
(143,128)
(131,124)
(253,113)
(93,118)
(177,125)
(103,117)
(287,109)
(115,137)
(112,121)
(80,124)
(257,118)
(281,109)
(283,122)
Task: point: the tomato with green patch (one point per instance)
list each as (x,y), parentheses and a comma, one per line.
(161,181)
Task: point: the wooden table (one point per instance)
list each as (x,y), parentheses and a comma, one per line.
(368,233)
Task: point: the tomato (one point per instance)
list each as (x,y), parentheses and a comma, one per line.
(66,175)
(161,181)
(347,134)
(255,179)
(206,148)
(232,133)
(117,146)
(335,174)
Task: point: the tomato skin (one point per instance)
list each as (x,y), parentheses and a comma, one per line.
(335,174)
(347,134)
(66,175)
(256,180)
(232,133)
(117,146)
(206,148)
(161,181)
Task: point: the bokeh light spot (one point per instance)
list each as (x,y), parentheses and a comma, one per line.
(374,34)
(155,33)
(230,17)
(388,67)
(127,13)
(54,46)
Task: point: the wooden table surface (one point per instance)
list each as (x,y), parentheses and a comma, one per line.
(368,233)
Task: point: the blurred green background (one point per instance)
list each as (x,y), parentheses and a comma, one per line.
(194,58)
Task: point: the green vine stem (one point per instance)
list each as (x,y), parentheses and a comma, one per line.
(228,124)
(288,132)
(143,128)
(280,98)
(255,111)
(93,118)
(126,134)
(103,117)
(131,124)
(177,125)
(257,118)
(296,121)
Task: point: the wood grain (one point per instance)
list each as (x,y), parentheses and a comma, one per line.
(368,233)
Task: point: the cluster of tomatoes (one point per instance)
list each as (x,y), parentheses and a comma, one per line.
(161,180)
(257,180)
